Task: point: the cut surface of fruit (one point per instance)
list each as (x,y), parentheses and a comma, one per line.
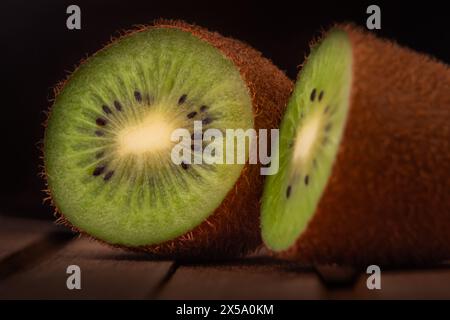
(364,157)
(108,142)
(309,138)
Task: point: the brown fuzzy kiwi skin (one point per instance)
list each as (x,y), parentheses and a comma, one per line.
(387,201)
(233,229)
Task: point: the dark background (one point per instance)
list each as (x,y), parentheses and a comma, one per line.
(38,50)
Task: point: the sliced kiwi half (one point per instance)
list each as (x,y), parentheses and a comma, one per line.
(108,146)
(364,157)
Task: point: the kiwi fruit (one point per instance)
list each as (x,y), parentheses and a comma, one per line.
(107,146)
(364,157)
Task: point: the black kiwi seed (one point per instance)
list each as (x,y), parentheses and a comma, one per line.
(306,180)
(313,95)
(99,154)
(100,121)
(288,191)
(192,114)
(328,127)
(182,99)
(184,166)
(138,96)
(203,108)
(326,109)
(108,175)
(117,105)
(98,171)
(207,121)
(320,95)
(99,133)
(106,109)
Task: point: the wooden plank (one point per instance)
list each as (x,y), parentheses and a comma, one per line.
(106,273)
(432,283)
(336,276)
(251,278)
(18,233)
(24,242)
(34,256)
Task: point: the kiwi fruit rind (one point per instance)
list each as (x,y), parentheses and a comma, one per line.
(107,148)
(364,157)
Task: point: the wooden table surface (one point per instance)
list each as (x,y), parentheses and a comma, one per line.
(34,256)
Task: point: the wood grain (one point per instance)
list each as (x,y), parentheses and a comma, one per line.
(106,273)
(431,283)
(26,242)
(34,256)
(253,278)
(17,233)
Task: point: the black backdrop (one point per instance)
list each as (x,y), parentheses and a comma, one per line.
(37,50)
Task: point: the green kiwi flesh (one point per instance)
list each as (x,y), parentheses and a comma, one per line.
(107,143)
(310,134)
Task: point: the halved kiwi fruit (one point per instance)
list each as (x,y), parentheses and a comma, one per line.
(364,157)
(107,148)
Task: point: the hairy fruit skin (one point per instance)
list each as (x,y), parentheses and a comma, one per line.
(233,228)
(387,200)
